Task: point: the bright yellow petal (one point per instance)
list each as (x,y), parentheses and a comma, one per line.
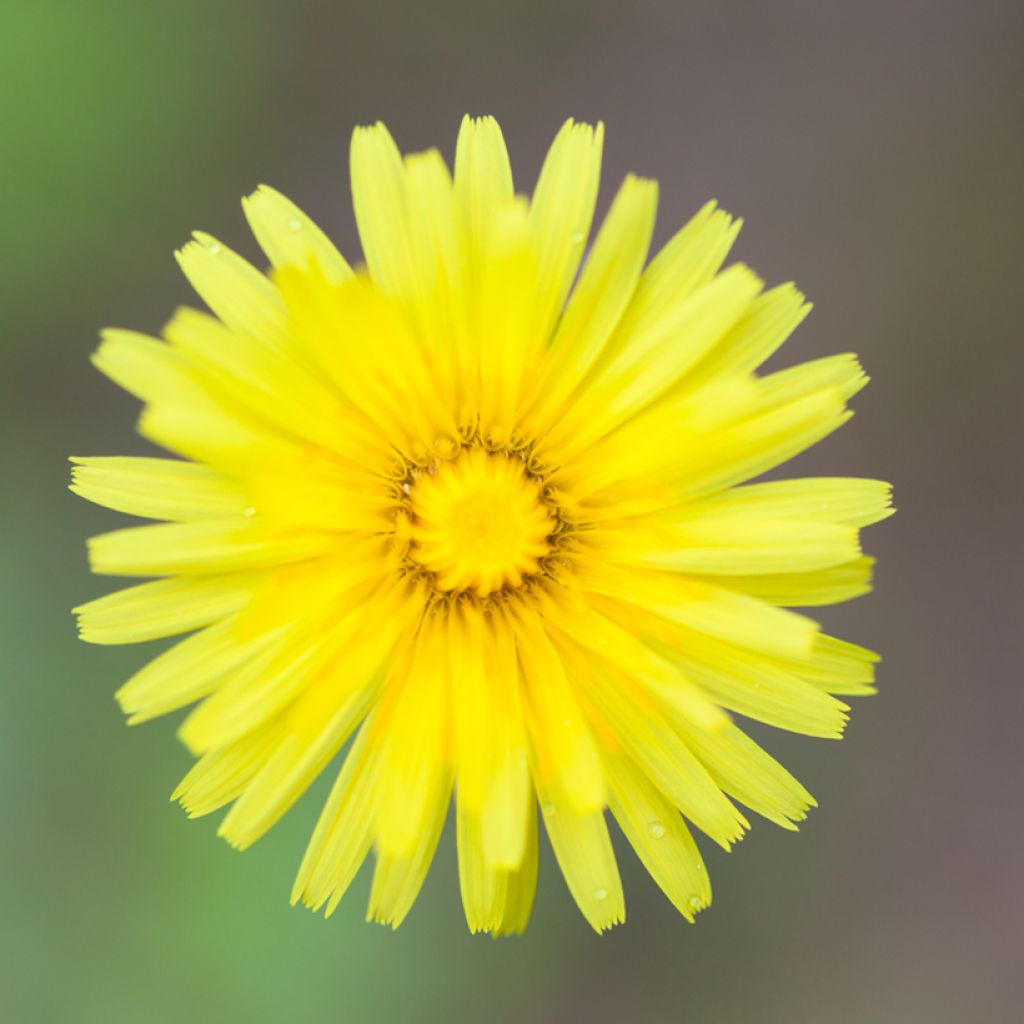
(659,835)
(233,289)
(163,608)
(561,212)
(415,771)
(199,548)
(483,887)
(188,671)
(289,237)
(747,773)
(584,852)
(379,199)
(599,298)
(158,488)
(344,831)
(397,880)
(483,175)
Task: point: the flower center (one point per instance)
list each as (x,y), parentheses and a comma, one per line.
(479,522)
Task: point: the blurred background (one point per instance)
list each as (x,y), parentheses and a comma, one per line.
(876,151)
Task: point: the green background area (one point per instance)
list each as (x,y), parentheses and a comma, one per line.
(876,153)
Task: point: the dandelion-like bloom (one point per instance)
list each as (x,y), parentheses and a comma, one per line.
(478,508)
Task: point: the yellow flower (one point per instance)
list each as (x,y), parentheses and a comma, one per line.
(478,506)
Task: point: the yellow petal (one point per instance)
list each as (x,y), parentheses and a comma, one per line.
(584,852)
(188,671)
(490,737)
(521,884)
(659,835)
(659,353)
(482,886)
(222,775)
(344,831)
(199,548)
(560,214)
(746,772)
(289,237)
(483,175)
(379,199)
(809,589)
(415,772)
(601,295)
(234,290)
(770,320)
(157,488)
(163,608)
(397,880)
(561,739)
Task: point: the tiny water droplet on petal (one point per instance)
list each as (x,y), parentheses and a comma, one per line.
(657,829)
(548,809)
(295,224)
(600,894)
(248,511)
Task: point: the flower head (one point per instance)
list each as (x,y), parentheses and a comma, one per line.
(481,507)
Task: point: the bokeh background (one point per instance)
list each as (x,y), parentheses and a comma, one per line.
(876,151)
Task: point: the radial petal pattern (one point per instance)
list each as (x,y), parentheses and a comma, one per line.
(478,515)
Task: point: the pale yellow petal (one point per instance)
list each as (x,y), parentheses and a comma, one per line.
(157,488)
(584,852)
(749,774)
(344,832)
(659,353)
(636,721)
(483,174)
(415,770)
(381,208)
(199,548)
(759,686)
(521,884)
(658,835)
(490,737)
(689,260)
(770,320)
(397,881)
(289,237)
(729,546)
(810,589)
(599,298)
(234,290)
(562,743)
(163,608)
(482,886)
(335,699)
(188,671)
(561,212)
(222,775)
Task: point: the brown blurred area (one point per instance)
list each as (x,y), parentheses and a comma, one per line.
(876,153)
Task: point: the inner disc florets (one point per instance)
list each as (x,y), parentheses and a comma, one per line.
(479,522)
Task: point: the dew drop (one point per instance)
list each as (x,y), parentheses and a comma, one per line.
(548,809)
(407,487)
(576,238)
(248,511)
(600,894)
(696,903)
(295,224)
(213,248)
(657,829)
